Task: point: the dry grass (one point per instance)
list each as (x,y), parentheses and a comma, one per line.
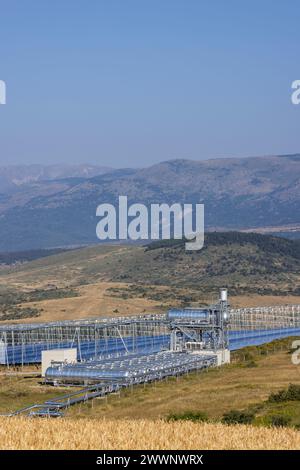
(263,300)
(92,271)
(24,433)
(93,301)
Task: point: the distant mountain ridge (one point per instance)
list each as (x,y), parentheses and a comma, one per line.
(238,193)
(18,175)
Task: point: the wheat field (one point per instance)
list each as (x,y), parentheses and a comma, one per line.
(33,434)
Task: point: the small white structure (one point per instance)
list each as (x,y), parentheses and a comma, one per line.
(57,355)
(2,352)
(223,295)
(223,355)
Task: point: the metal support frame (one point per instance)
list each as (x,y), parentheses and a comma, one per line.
(22,343)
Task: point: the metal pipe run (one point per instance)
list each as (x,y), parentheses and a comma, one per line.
(128,369)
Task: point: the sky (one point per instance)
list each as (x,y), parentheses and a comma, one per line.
(132,83)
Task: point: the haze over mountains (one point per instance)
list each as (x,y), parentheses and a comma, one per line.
(15,176)
(43,207)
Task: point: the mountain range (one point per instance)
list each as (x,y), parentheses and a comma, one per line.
(16,176)
(54,206)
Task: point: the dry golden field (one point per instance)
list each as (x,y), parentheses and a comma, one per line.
(240,301)
(93,301)
(34,434)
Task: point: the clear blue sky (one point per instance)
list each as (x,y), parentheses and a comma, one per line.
(131,83)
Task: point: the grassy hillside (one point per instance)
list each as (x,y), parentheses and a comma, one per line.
(30,255)
(132,279)
(246,263)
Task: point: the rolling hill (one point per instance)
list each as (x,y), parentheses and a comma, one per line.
(115,279)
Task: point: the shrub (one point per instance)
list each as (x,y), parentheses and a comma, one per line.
(290,394)
(238,417)
(280,420)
